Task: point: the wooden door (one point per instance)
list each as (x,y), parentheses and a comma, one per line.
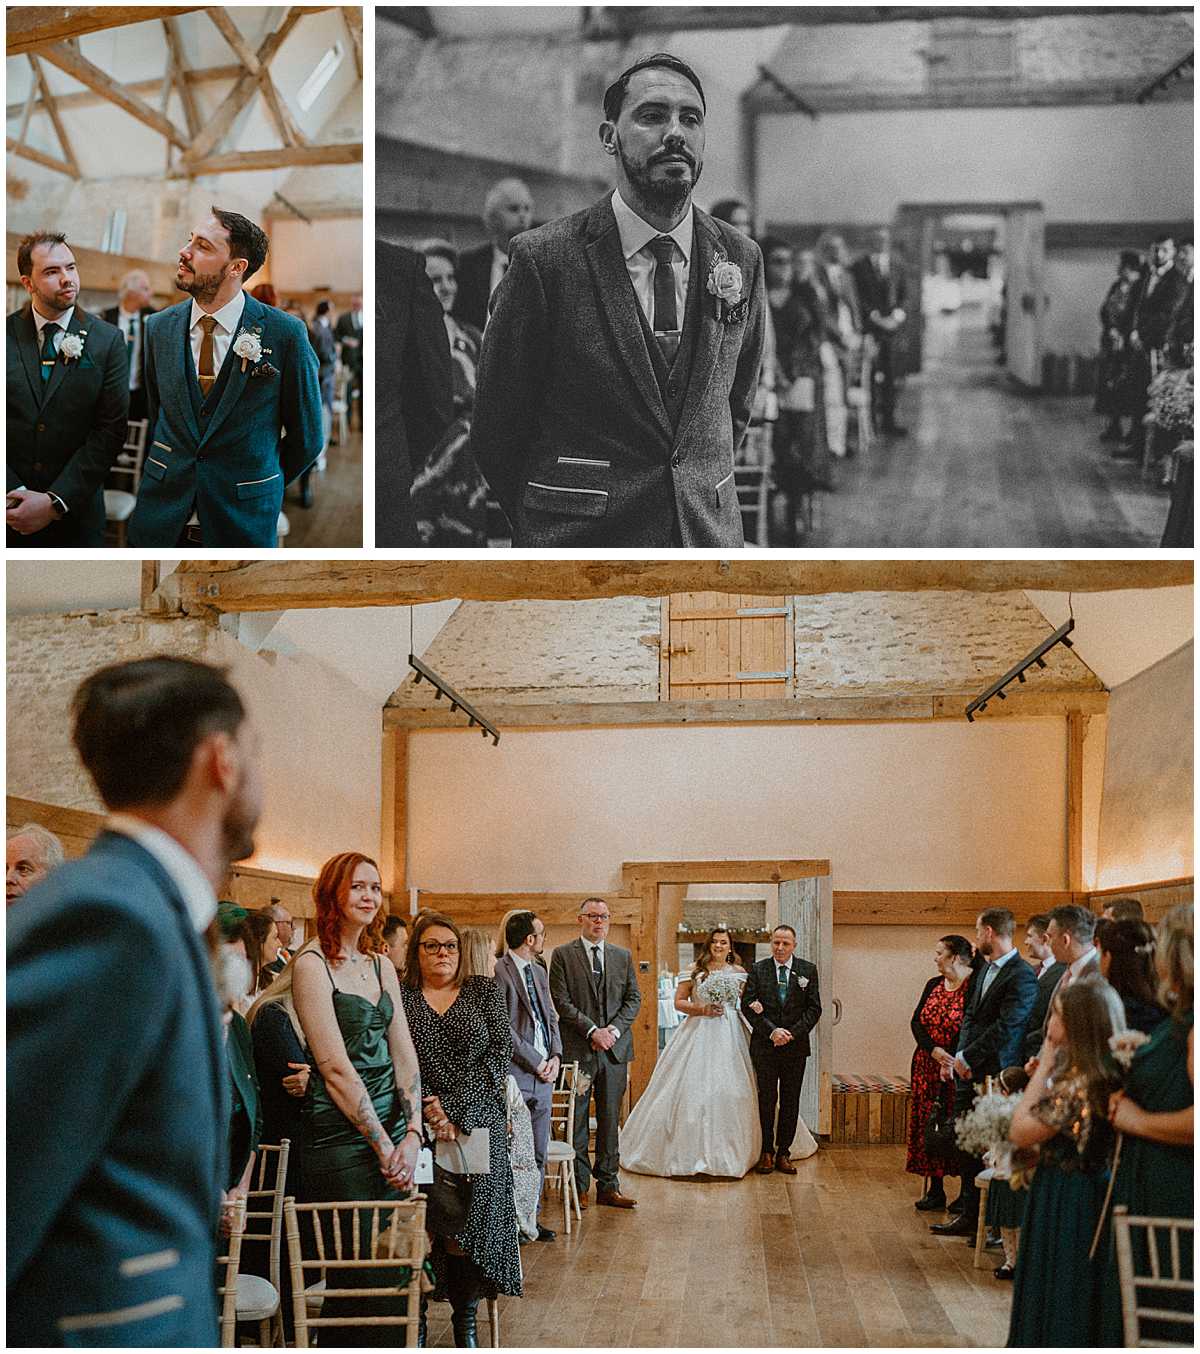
(1024,255)
(722,646)
(806,905)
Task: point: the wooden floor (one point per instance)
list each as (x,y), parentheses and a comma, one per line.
(986,465)
(836,1255)
(335,518)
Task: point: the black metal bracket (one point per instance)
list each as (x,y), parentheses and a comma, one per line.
(443,688)
(1017,673)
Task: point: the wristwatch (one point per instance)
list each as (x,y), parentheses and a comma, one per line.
(60,508)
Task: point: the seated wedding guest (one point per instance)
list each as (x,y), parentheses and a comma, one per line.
(33,851)
(1113,385)
(507,211)
(146,1101)
(464,1043)
(1127,963)
(449,493)
(1123,909)
(936,1023)
(135,298)
(1049,972)
(1057,1292)
(236,974)
(395,941)
(537,1040)
(1155,1114)
(362,1114)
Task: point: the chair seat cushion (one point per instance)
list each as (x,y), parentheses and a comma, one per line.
(118,505)
(314,1296)
(256,1298)
(559,1151)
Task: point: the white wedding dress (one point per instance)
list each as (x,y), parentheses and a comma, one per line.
(699,1114)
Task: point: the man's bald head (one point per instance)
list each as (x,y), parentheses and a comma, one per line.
(33,852)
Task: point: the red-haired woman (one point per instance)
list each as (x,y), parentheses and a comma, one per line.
(362,1114)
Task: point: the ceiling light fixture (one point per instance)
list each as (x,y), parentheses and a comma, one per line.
(443,688)
(1017,673)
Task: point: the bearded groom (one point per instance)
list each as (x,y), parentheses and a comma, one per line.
(233,397)
(620,361)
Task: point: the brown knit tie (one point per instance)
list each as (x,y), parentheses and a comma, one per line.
(207,350)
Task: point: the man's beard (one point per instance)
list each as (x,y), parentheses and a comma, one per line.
(203,286)
(665,197)
(237,827)
(54,301)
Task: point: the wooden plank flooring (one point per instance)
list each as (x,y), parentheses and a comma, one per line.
(834,1256)
(335,519)
(986,465)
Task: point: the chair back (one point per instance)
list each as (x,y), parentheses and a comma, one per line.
(360,1235)
(227,1267)
(264,1203)
(1150,1259)
(133,452)
(562,1103)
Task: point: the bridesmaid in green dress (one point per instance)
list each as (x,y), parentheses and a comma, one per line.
(1155,1113)
(1056,1292)
(362,1113)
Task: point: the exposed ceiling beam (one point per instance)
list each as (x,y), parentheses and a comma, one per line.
(352,16)
(39,157)
(51,106)
(289,132)
(233,36)
(416,17)
(32,26)
(84,98)
(78,67)
(179,76)
(288,157)
(262,585)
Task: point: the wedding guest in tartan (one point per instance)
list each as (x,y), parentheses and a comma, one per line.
(936,1023)
(1057,1290)
(1155,1114)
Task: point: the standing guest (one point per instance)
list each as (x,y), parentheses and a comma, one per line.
(1156,1114)
(1159,295)
(1049,972)
(362,1113)
(464,1044)
(811,273)
(414,409)
(1071,933)
(262,948)
(734,212)
(235,980)
(1126,950)
(33,852)
(595,992)
(68,404)
(349,334)
(146,1103)
(267,294)
(781,1001)
(1116,319)
(620,363)
(234,404)
(320,335)
(1181,333)
(883,292)
(993,1027)
(507,211)
(134,307)
(395,941)
(449,492)
(285,931)
(1057,1293)
(478,959)
(1123,909)
(936,1023)
(537,1040)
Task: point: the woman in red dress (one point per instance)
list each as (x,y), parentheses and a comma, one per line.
(935,1026)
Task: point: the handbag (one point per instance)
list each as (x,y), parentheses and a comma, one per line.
(940,1142)
(447,1199)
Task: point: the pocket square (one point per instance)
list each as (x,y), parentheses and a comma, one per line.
(736,314)
(801,982)
(263,369)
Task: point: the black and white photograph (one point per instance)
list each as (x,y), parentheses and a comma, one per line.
(819,277)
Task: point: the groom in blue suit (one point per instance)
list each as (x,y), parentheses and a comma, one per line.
(234,400)
(118,1107)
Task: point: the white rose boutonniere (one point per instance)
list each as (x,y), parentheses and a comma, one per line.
(248,347)
(725,281)
(71,347)
(801,982)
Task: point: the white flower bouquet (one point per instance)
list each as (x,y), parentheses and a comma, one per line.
(1173,398)
(984,1128)
(1125,1045)
(721,987)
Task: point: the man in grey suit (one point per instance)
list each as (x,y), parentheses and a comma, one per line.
(118,1102)
(595,991)
(621,359)
(537,1043)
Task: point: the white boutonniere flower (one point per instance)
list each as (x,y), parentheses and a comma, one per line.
(801,982)
(725,282)
(248,347)
(71,347)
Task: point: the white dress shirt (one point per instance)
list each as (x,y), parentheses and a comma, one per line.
(588,947)
(1076,968)
(228,318)
(636,235)
(994,967)
(132,325)
(539,1041)
(63,322)
(179,863)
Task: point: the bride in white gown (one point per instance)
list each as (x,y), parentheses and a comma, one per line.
(699,1114)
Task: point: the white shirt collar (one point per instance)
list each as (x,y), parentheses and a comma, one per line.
(519,960)
(636,234)
(180,864)
(1046,964)
(227,317)
(1003,959)
(1082,962)
(787,964)
(63,321)
(591,944)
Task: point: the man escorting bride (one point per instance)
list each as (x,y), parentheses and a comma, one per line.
(700,1113)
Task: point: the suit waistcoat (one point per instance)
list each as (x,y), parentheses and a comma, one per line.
(203,407)
(673,380)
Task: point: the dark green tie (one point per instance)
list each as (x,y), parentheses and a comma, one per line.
(49,352)
(783,985)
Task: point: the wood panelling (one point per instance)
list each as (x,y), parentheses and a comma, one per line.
(725,647)
(881,907)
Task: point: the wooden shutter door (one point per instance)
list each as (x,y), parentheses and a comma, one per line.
(721,646)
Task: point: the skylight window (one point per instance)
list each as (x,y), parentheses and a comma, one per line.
(314,86)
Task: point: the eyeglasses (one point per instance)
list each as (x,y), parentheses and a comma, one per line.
(437,946)
(596,916)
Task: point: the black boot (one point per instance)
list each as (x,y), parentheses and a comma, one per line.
(934,1198)
(462,1284)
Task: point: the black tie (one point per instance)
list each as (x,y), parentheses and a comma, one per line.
(537,1008)
(666,319)
(49,352)
(598,979)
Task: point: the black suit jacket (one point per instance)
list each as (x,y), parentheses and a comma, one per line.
(473,274)
(1153,313)
(578,1009)
(414,392)
(64,435)
(799,1014)
(879,293)
(1041,1005)
(994,1023)
(352,351)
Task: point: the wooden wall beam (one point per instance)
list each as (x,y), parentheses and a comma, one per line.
(352,17)
(99,271)
(1077,724)
(236,162)
(261,585)
(29,27)
(555,909)
(78,67)
(39,157)
(50,103)
(394,816)
(84,98)
(935,907)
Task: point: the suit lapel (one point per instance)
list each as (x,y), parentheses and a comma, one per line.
(59,374)
(178,340)
(710,332)
(252,319)
(618,304)
(519,983)
(27,346)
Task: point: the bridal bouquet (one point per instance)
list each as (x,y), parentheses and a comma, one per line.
(1172,398)
(721,987)
(983,1132)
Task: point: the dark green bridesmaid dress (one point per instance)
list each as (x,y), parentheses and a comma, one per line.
(1154,1179)
(1056,1291)
(339,1163)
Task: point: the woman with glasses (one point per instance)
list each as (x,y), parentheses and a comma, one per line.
(362,1115)
(461,1032)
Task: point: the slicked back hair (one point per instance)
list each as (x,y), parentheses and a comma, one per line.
(614,95)
(246,240)
(30,243)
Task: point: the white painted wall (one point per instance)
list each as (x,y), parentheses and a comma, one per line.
(324,253)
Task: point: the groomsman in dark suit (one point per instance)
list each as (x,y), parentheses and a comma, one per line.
(68,401)
(537,1043)
(134,296)
(782,1002)
(990,1039)
(1048,971)
(595,992)
(883,296)
(507,211)
(118,1102)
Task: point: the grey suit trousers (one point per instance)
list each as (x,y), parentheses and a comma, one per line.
(608,1090)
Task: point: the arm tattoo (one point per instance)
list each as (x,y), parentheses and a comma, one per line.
(367,1121)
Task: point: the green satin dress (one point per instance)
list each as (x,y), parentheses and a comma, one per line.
(339,1163)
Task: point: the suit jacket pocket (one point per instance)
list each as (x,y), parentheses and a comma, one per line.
(154,469)
(726,491)
(260,488)
(571,488)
